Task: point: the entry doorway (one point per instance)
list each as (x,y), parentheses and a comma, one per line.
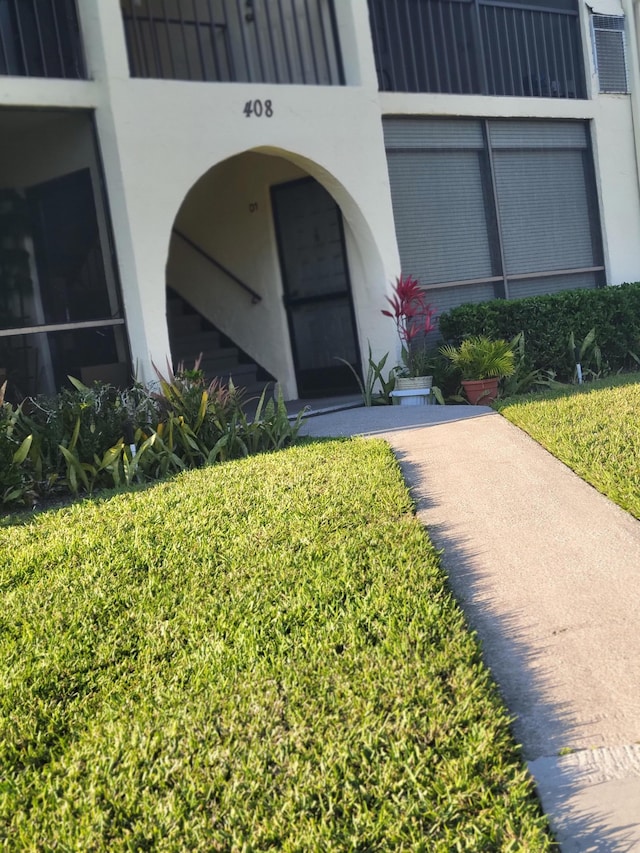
(317,288)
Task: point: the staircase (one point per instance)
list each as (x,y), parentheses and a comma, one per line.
(191,334)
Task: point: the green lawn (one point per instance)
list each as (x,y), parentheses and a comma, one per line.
(262,655)
(595,430)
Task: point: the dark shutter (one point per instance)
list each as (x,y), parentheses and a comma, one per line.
(449,178)
(438,193)
(542,195)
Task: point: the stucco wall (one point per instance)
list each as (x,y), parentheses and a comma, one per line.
(169,134)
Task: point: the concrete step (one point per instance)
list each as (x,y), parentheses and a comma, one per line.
(175,305)
(183,325)
(209,353)
(216,365)
(188,340)
(198,342)
(240,373)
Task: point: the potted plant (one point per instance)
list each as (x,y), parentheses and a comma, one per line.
(413,317)
(482,363)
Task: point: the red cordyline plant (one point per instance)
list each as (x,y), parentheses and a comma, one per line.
(412,314)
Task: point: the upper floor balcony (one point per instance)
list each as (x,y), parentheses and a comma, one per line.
(257,41)
(522,48)
(40,38)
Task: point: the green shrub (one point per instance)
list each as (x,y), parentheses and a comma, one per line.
(548,322)
(481,358)
(88,438)
(16,478)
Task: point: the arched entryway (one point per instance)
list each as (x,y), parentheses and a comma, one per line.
(260,250)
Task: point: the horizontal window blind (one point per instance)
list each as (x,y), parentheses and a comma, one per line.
(544,213)
(422,133)
(538,134)
(439,210)
(553,284)
(465,211)
(445,298)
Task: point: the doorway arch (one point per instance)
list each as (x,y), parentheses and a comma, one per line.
(229,213)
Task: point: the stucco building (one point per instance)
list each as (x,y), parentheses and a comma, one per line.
(249,176)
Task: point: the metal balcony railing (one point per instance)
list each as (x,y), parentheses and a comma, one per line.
(261,41)
(40,38)
(487,47)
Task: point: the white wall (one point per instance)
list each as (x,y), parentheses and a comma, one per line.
(617,178)
(169,134)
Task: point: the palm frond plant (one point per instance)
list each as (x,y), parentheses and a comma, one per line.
(481,358)
(481,362)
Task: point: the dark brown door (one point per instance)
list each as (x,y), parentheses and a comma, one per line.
(317,290)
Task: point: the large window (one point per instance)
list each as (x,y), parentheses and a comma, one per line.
(489,209)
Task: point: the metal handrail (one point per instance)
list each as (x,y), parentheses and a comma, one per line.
(255,297)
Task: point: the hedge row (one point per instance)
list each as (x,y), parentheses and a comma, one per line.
(547,323)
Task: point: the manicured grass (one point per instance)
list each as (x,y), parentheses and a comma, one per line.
(595,430)
(262,655)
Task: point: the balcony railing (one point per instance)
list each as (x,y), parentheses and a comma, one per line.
(484,47)
(263,41)
(40,38)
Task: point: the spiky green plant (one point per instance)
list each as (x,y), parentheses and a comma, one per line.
(481,358)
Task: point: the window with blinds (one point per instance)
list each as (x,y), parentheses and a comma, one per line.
(610,53)
(494,208)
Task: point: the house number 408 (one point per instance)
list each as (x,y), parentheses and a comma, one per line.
(258,109)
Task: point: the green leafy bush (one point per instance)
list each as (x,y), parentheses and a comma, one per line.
(549,321)
(88,438)
(15,478)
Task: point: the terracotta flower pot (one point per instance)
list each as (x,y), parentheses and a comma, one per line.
(480,392)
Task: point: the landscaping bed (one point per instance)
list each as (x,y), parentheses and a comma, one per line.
(258,655)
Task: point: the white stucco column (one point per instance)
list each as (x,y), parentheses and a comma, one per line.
(107,63)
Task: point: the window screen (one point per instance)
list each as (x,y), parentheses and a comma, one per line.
(610,53)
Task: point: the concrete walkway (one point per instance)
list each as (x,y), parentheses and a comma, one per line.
(548,572)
